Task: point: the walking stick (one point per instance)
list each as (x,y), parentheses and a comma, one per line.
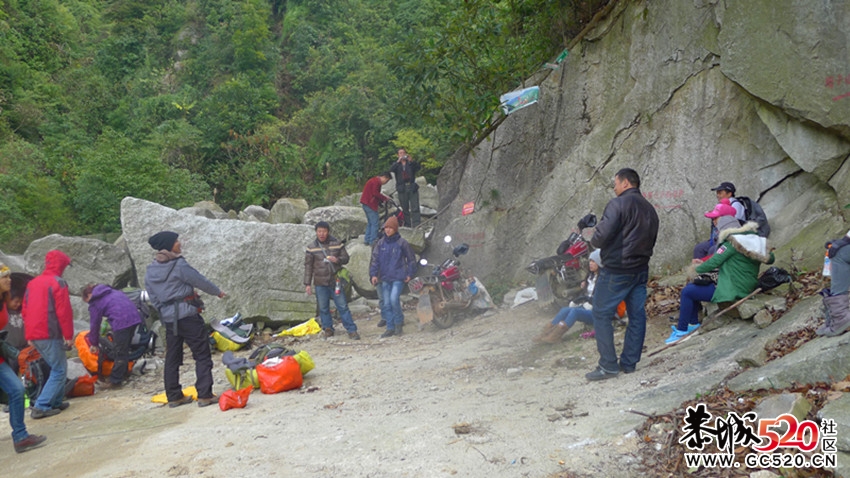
(705,321)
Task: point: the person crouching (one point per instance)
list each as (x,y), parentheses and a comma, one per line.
(123,317)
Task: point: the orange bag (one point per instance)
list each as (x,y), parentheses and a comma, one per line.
(89,359)
(83,387)
(621,309)
(279,375)
(234,398)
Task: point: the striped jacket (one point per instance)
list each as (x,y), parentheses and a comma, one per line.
(318,271)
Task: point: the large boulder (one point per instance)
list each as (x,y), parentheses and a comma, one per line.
(15,262)
(288,211)
(346,222)
(259,265)
(92,261)
(689,94)
(254,213)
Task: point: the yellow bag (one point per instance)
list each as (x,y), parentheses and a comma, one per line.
(307,328)
(224,344)
(161,398)
(305,361)
(246,378)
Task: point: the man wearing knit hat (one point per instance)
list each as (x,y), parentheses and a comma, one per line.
(49,326)
(323,259)
(171,282)
(393,264)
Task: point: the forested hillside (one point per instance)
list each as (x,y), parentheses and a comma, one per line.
(244,101)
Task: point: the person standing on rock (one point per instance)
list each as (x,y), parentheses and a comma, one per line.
(405,171)
(371,199)
(323,259)
(626,234)
(49,327)
(393,264)
(123,317)
(835,299)
(171,282)
(10,383)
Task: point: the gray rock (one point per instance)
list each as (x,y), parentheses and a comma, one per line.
(352,200)
(210,206)
(839,410)
(92,261)
(254,213)
(288,210)
(773,406)
(260,266)
(751,307)
(346,222)
(753,354)
(762,319)
(15,262)
(823,359)
(202,212)
(733,69)
(428,195)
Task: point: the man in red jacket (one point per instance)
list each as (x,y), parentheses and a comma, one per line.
(49,326)
(371,200)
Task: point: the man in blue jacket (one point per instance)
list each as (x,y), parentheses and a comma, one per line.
(393,263)
(626,234)
(171,282)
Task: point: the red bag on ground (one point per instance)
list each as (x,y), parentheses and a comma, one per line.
(279,375)
(83,387)
(234,398)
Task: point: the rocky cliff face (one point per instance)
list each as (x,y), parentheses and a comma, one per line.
(689,94)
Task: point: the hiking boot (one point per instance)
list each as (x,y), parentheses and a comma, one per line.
(354,335)
(382,323)
(39,413)
(546,331)
(205,402)
(555,333)
(625,369)
(600,374)
(838,308)
(388,333)
(329,332)
(63,406)
(29,443)
(183,401)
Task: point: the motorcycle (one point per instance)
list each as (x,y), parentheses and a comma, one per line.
(559,277)
(447,290)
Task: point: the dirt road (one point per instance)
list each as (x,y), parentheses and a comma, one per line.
(478,399)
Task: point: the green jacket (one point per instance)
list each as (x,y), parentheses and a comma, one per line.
(738,258)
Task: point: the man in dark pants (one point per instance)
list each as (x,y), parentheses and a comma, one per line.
(123,317)
(626,235)
(405,171)
(171,282)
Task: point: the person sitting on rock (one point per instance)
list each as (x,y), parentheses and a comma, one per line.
(568,316)
(835,299)
(737,259)
(704,250)
(123,317)
(580,309)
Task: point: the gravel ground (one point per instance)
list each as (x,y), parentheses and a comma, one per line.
(478,399)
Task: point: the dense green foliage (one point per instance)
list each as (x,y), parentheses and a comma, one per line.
(244,101)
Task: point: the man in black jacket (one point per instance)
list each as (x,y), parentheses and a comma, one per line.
(405,170)
(626,234)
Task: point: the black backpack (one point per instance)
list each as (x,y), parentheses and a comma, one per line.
(754,212)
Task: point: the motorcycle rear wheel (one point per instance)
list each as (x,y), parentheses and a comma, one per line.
(445,319)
